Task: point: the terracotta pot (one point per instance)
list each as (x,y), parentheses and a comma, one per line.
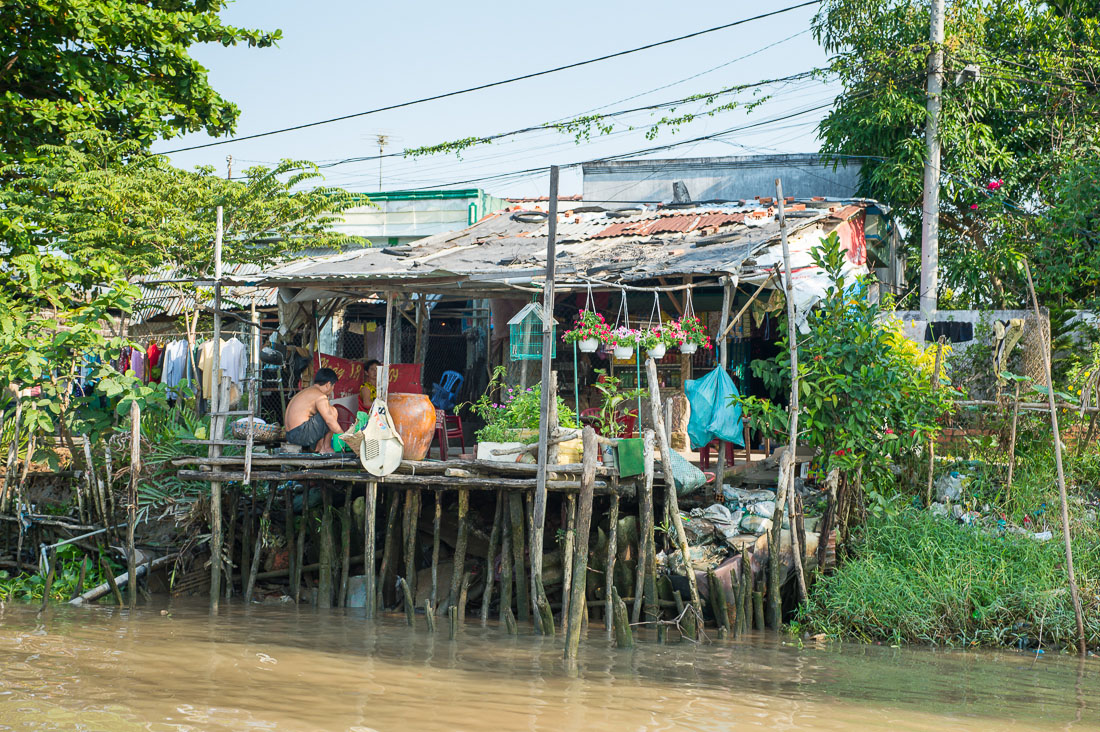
(414,419)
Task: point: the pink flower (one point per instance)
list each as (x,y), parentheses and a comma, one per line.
(995,184)
(889,431)
(973,206)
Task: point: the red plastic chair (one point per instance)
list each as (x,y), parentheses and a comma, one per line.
(590,417)
(448,427)
(628,420)
(704,453)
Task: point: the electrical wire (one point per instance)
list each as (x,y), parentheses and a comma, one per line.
(490,85)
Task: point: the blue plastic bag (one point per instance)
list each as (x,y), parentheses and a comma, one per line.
(712,414)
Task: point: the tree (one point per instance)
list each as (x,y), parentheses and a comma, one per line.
(106,199)
(865,391)
(121,66)
(1010,140)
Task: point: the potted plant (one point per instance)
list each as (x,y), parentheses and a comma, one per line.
(689,333)
(511,417)
(588,330)
(623,341)
(656,341)
(609,423)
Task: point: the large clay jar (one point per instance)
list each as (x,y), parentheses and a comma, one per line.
(414,419)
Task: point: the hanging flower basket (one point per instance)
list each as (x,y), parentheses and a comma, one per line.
(588,345)
(623,341)
(588,330)
(623,352)
(657,352)
(656,341)
(690,334)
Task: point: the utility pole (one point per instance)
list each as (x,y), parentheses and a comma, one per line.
(229,167)
(930,228)
(382,140)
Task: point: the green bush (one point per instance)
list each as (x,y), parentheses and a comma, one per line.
(918,579)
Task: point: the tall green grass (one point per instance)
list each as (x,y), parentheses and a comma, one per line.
(918,579)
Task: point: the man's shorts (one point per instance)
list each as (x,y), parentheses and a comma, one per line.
(308,433)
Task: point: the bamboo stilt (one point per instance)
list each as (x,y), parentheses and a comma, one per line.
(406,593)
(452,614)
(649,585)
(577,602)
(389,550)
(459,566)
(412,520)
(325,557)
(255,564)
(624,638)
(748,587)
(300,545)
(370,510)
(546,614)
(567,559)
(83,575)
(490,568)
(612,553)
(429,615)
(110,576)
(509,621)
(463,593)
(515,502)
(717,601)
(506,569)
(288,529)
(435,546)
(670,485)
(231,539)
(758,610)
(345,549)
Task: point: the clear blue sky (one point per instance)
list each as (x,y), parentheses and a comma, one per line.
(340,57)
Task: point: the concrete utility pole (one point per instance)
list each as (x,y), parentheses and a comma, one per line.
(930,228)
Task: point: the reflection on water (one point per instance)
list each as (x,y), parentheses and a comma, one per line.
(283,668)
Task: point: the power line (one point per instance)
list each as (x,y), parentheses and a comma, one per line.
(496,83)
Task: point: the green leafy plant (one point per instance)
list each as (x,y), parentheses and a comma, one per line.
(510,414)
(865,392)
(612,397)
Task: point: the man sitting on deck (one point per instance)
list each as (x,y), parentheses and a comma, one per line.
(310,417)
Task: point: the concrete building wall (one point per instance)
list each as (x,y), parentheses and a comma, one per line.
(400,217)
(721,178)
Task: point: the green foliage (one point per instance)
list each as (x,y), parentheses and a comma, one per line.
(96,200)
(1026,132)
(917,579)
(119,66)
(865,393)
(68,559)
(511,414)
(611,398)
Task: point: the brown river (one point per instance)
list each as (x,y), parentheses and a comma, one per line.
(284,668)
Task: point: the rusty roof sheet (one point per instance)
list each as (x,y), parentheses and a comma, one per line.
(669,224)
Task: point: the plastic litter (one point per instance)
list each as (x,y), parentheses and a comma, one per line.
(712,414)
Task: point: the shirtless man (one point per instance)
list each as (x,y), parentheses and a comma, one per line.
(310,417)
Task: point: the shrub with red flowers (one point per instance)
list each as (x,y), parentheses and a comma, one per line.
(587,325)
(866,397)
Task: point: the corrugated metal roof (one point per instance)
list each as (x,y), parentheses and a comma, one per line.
(615,245)
(167,300)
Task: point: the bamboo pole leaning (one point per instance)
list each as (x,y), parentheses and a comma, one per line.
(577,603)
(131,500)
(1070,575)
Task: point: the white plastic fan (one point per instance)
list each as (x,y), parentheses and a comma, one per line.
(381,448)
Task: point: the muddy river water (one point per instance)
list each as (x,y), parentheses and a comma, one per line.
(285,668)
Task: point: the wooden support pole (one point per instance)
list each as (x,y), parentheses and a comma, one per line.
(429,615)
(748,590)
(255,564)
(515,503)
(728,287)
(452,614)
(577,603)
(490,568)
(345,549)
(370,584)
(717,601)
(670,484)
(567,559)
(389,550)
(624,638)
(506,558)
(325,557)
(509,621)
(459,566)
(217,423)
(406,593)
(436,519)
(1070,576)
(612,553)
(463,594)
(132,500)
(412,519)
(548,394)
(650,604)
(300,545)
